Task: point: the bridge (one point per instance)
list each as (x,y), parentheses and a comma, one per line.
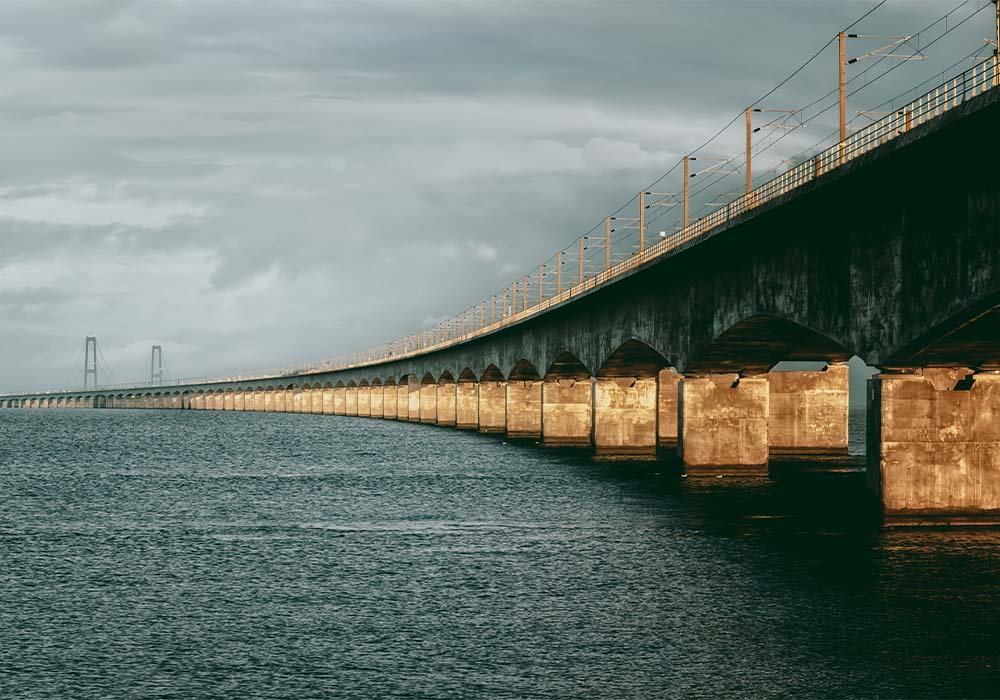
(885,246)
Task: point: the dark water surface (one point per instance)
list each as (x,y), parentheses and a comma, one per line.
(229,555)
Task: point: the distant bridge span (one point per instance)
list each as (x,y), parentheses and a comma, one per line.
(887,247)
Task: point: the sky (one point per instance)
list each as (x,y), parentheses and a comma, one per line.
(254,184)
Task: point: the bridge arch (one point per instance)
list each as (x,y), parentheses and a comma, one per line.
(446,377)
(523,371)
(633,358)
(968,338)
(428,378)
(467,375)
(755,344)
(492,373)
(567,366)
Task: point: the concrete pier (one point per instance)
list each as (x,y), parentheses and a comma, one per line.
(625,418)
(567,413)
(340,400)
(364,401)
(467,405)
(228,401)
(934,446)
(724,423)
(413,400)
(389,401)
(239,401)
(808,411)
(667,396)
(446,398)
(403,399)
(377,403)
(492,406)
(524,409)
(428,400)
(352,400)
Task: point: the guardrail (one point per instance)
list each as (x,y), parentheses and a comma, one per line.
(946,96)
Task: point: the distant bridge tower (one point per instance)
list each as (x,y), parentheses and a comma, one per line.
(90,361)
(156,365)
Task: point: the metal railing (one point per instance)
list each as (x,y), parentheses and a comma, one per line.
(463,327)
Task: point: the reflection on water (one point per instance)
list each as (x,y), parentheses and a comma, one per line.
(222,555)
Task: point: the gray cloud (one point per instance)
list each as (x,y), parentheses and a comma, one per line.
(253,184)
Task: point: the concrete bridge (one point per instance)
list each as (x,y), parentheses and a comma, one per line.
(886,247)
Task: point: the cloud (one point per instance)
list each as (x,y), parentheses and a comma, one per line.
(254,184)
(88,206)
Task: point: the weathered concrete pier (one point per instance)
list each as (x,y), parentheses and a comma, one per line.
(889,251)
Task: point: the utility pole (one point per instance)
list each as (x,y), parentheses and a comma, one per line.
(559,272)
(90,360)
(156,365)
(842,82)
(540,279)
(581,258)
(749,143)
(642,220)
(607,242)
(687,188)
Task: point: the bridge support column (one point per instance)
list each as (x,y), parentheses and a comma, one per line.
(365,401)
(352,400)
(389,394)
(281,397)
(446,398)
(378,401)
(625,418)
(668,388)
(413,401)
(229,401)
(239,401)
(258,401)
(934,446)
(328,400)
(428,403)
(808,411)
(467,405)
(340,401)
(269,400)
(567,412)
(316,400)
(492,406)
(524,409)
(723,424)
(403,400)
